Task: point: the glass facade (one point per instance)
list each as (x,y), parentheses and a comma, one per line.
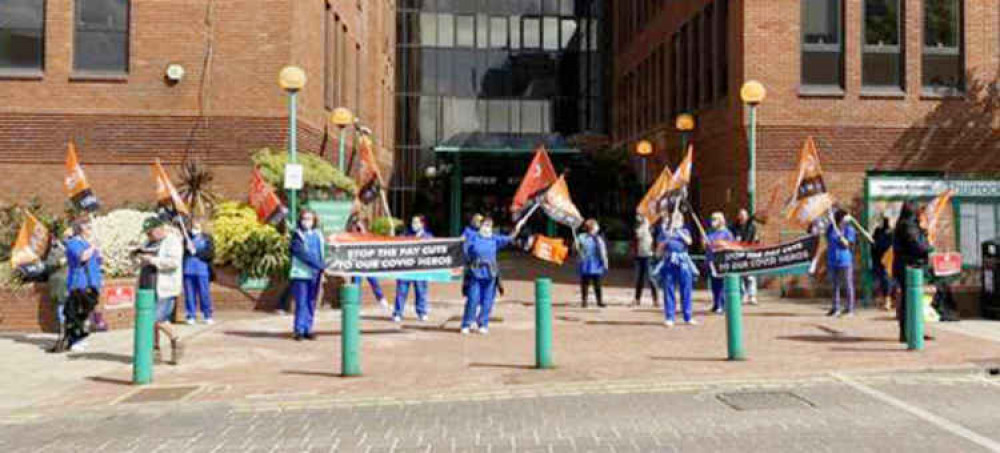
(487,74)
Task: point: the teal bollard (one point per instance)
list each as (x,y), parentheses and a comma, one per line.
(350,326)
(142,343)
(734,318)
(543,323)
(914,309)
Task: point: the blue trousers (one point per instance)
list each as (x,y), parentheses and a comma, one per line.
(373,282)
(197,291)
(304,292)
(479,305)
(677,277)
(843,278)
(718,293)
(403,291)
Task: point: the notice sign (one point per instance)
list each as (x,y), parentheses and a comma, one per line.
(116,297)
(946,264)
(787,257)
(354,254)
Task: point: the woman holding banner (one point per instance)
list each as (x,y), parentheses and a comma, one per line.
(481,252)
(308,250)
(678,270)
(593,260)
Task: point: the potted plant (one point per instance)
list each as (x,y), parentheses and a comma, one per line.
(256,250)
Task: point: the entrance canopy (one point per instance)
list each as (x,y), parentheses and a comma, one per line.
(492,143)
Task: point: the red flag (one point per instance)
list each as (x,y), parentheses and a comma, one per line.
(559,206)
(539,177)
(811,198)
(166,195)
(369,180)
(264,200)
(77,188)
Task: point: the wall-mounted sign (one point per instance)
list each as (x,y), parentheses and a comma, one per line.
(919,187)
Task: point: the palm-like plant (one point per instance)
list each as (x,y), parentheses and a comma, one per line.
(196,187)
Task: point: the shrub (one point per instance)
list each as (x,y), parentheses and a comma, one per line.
(251,247)
(386,225)
(196,187)
(318,174)
(118,233)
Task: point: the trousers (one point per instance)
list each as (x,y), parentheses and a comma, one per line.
(479,305)
(197,292)
(304,291)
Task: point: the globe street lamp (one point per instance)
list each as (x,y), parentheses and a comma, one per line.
(752,93)
(341,117)
(685,124)
(292,79)
(644,149)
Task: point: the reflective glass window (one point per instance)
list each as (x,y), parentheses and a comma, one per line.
(22,34)
(550,33)
(942,53)
(822,43)
(881,64)
(531,32)
(101,38)
(498,32)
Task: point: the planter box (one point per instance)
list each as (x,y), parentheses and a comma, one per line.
(254,284)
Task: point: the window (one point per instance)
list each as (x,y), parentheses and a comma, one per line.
(822,44)
(722,48)
(465,31)
(22,34)
(498,32)
(550,33)
(100,43)
(329,30)
(882,62)
(707,55)
(531,31)
(446,30)
(978,223)
(943,71)
(693,68)
(357,81)
(568,32)
(428,29)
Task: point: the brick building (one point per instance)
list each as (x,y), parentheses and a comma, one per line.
(886,87)
(93,71)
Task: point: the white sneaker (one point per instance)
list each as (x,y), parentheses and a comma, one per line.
(422,318)
(753,301)
(692,323)
(79,346)
(484,331)
(280,312)
(383,303)
(668,323)
(465,331)
(189,321)
(397,319)
(209,321)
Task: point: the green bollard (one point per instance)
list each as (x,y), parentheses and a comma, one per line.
(142,343)
(914,309)
(543,323)
(734,318)
(350,330)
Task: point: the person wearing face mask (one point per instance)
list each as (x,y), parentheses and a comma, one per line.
(719,233)
(678,270)
(481,251)
(417,230)
(745,231)
(471,230)
(84,280)
(643,257)
(308,255)
(593,257)
(840,237)
(198,256)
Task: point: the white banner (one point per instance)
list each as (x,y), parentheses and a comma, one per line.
(889,187)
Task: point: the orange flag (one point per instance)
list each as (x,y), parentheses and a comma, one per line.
(264,201)
(558,205)
(676,190)
(647,207)
(539,177)
(166,195)
(811,198)
(32,243)
(370,182)
(75,184)
(553,250)
(930,219)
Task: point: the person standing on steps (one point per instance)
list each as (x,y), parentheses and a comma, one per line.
(308,263)
(198,256)
(840,237)
(417,230)
(643,260)
(678,270)
(162,261)
(719,233)
(593,256)
(745,231)
(481,252)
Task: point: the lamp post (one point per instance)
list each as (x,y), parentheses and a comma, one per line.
(644,149)
(685,124)
(341,117)
(752,93)
(292,79)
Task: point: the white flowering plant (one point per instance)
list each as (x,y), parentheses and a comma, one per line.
(118,233)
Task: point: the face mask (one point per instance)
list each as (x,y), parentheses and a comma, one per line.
(308,224)
(417,226)
(595,230)
(196,231)
(486,231)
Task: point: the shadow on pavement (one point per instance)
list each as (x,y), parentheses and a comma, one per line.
(428,328)
(321,333)
(311,373)
(779,315)
(104,356)
(107,380)
(386,318)
(901,348)
(625,323)
(513,366)
(836,339)
(689,359)
(42,343)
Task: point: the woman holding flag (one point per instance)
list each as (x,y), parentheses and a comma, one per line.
(840,237)
(481,253)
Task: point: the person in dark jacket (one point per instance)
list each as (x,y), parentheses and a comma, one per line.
(910,249)
(745,231)
(198,255)
(882,245)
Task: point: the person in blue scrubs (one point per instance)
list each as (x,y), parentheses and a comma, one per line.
(481,252)
(678,271)
(84,280)
(417,230)
(719,233)
(593,257)
(361,227)
(308,254)
(471,230)
(198,256)
(840,237)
